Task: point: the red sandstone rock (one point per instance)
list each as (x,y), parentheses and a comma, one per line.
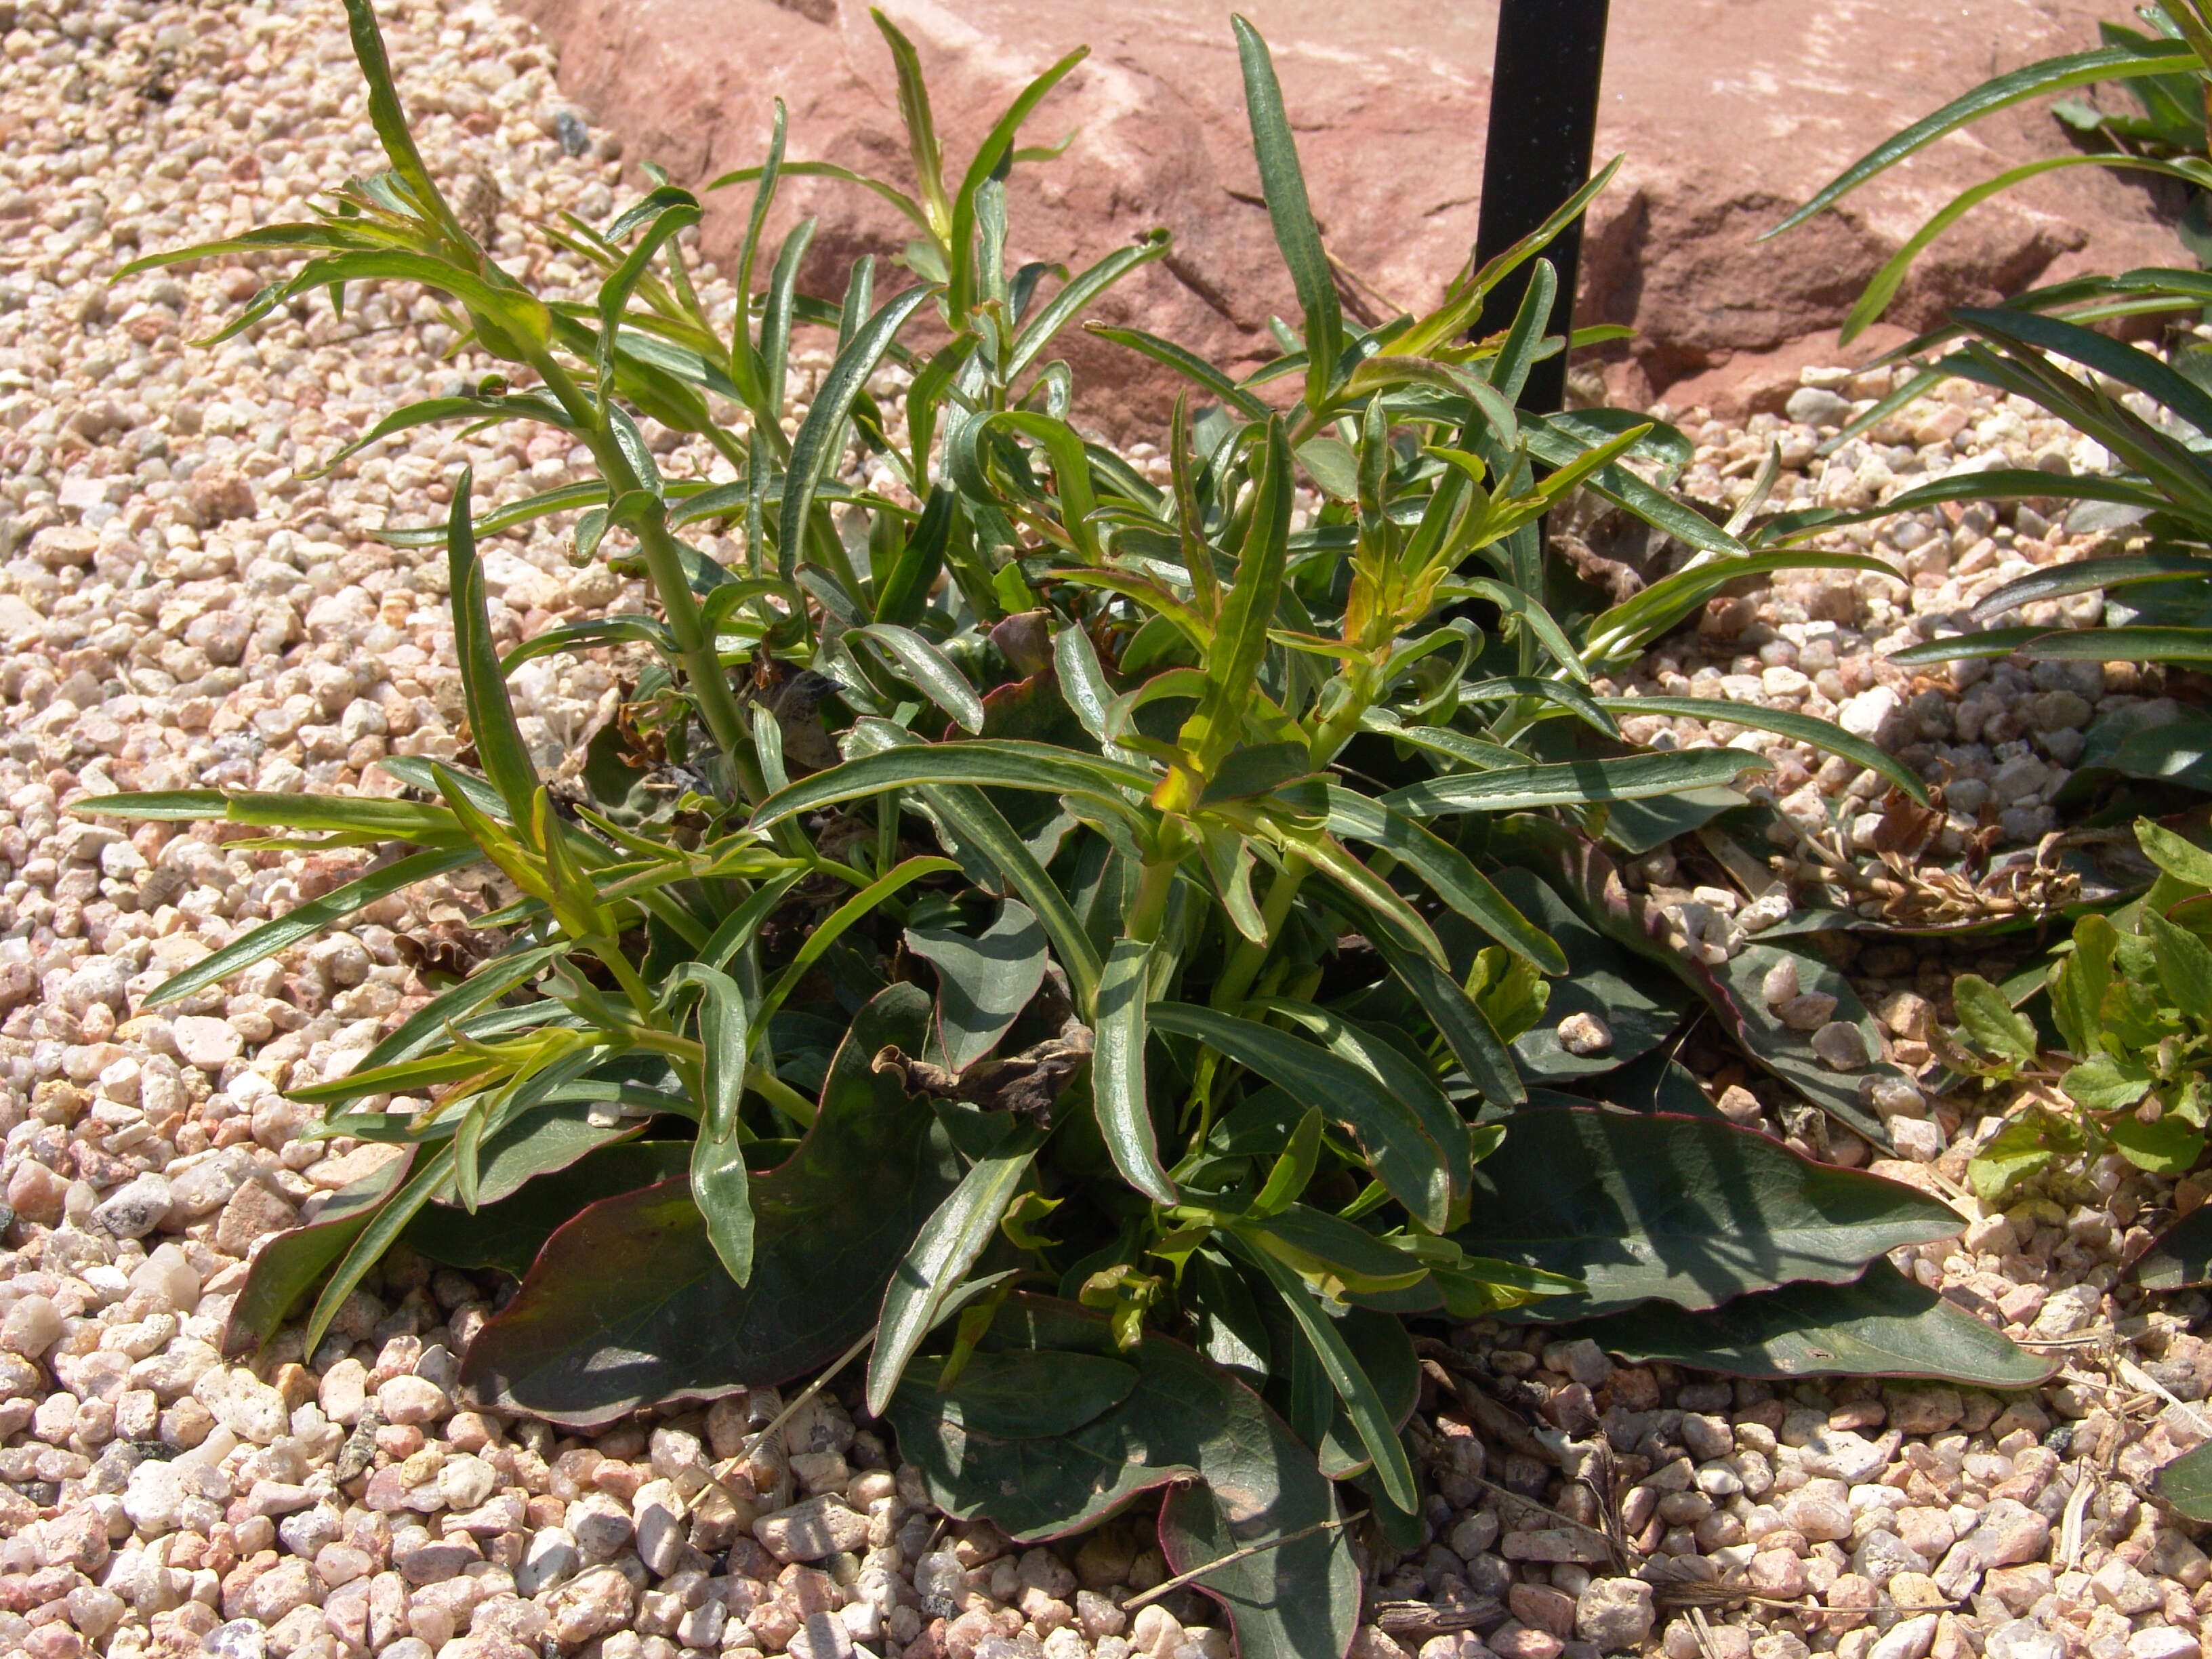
(1730,111)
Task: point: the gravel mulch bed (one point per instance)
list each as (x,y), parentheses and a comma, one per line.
(183,606)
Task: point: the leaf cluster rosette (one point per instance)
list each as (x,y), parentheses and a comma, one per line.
(1033,926)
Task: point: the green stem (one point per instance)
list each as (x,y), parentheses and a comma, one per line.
(625,975)
(1155,885)
(1245,962)
(1333,734)
(703,662)
(781,1094)
(663,562)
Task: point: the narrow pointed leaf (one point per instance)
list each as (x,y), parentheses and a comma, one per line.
(931,671)
(1574,783)
(720,1184)
(492,726)
(1377,1431)
(1399,1149)
(1448,872)
(943,1252)
(2049,75)
(1117,1070)
(1798,728)
(810,455)
(1282,183)
(995,762)
(310,919)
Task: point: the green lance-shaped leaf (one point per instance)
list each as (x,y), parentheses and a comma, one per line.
(1286,1181)
(1399,1149)
(1240,642)
(390,120)
(672,211)
(2087,576)
(1621,632)
(1320,1244)
(2129,644)
(1039,331)
(1798,728)
(1574,783)
(343,815)
(509,319)
(779,306)
(1692,1211)
(288,1265)
(921,125)
(1561,442)
(1466,1030)
(492,717)
(2050,75)
(968,447)
(930,670)
(488,981)
(943,1252)
(1393,1069)
(1882,287)
(1517,353)
(1448,872)
(984,982)
(991,156)
(1117,1070)
(1463,303)
(1187,363)
(1882,1325)
(902,588)
(744,357)
(485,412)
(1531,614)
(1377,1431)
(810,455)
(1282,183)
(578,636)
(310,919)
(430,1175)
(2129,365)
(993,762)
(720,1184)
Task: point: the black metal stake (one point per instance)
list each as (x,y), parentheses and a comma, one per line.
(1543,122)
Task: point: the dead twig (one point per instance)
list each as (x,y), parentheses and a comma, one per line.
(1169,1586)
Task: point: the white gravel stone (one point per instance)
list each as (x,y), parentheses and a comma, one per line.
(1841,1046)
(1584,1034)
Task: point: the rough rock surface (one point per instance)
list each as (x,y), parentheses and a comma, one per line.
(1729,111)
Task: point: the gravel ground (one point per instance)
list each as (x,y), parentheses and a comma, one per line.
(182,607)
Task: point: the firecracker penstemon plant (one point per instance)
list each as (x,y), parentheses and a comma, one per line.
(1110,1036)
